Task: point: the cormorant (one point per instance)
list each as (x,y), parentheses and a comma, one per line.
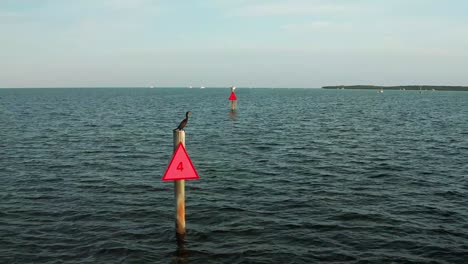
(184,122)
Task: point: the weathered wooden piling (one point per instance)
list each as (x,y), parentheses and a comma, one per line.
(233,104)
(233,98)
(179,192)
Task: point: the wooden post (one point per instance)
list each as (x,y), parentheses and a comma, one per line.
(233,102)
(179,192)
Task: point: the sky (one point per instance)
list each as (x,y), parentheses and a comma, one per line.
(219,43)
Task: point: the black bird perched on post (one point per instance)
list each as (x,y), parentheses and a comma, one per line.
(184,122)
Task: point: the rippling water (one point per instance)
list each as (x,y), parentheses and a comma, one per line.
(294,176)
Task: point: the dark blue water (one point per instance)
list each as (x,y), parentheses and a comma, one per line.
(294,176)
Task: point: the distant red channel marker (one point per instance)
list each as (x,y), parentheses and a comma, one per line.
(233,96)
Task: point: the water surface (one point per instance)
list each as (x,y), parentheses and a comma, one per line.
(293,176)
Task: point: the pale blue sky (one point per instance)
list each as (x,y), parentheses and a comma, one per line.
(264,43)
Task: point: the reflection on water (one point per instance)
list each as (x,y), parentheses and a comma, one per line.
(181,254)
(233,114)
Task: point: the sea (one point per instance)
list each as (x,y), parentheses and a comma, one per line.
(290,176)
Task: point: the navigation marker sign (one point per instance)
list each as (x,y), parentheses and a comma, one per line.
(180,167)
(233,96)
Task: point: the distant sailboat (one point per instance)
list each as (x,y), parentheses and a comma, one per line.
(202,87)
(381,90)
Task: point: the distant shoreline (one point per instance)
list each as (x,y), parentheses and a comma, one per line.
(401,87)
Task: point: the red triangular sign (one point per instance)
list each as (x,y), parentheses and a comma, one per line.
(180,167)
(233,96)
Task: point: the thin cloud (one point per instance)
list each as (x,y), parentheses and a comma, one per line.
(316,26)
(9,16)
(130,4)
(290,9)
